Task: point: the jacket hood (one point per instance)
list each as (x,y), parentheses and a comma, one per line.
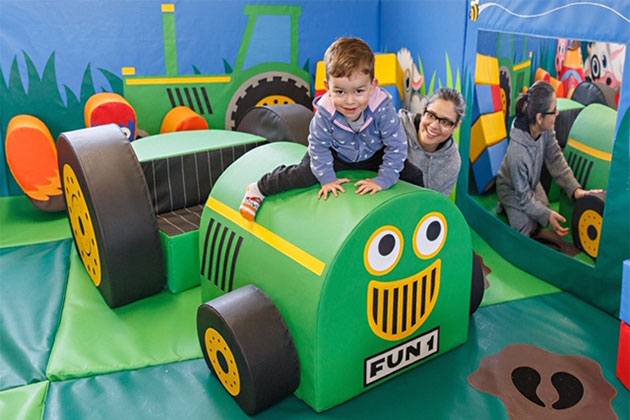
(325,103)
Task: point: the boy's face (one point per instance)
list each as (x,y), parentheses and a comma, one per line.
(351,94)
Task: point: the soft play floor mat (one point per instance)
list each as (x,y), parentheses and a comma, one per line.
(64,354)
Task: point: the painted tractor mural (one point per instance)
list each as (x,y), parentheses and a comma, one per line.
(223,99)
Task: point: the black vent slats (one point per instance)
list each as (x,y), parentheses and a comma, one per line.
(221,247)
(194,98)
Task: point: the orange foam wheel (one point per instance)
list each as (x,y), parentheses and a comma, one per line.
(107,108)
(182,118)
(32,158)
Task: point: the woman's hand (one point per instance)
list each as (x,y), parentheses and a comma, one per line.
(579,193)
(367,186)
(555,219)
(332,187)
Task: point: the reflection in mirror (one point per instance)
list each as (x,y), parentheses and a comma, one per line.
(535,150)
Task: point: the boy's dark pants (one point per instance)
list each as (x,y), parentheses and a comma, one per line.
(285,178)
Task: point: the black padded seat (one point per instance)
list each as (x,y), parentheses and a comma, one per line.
(180,221)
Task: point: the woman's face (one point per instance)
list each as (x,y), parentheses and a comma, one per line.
(548,120)
(438,122)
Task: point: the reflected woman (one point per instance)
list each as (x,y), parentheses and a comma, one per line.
(430,139)
(532,143)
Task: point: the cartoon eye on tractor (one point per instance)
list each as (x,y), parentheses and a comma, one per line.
(223,99)
(327,299)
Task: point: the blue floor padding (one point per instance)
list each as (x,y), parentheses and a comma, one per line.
(32,287)
(558,323)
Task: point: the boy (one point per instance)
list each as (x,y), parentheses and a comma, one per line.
(355,127)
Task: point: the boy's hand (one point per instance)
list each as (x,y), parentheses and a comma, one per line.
(332,187)
(367,186)
(554,220)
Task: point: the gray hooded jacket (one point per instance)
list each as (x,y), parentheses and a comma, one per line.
(519,174)
(439,168)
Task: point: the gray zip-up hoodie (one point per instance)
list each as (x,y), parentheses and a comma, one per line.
(439,168)
(519,174)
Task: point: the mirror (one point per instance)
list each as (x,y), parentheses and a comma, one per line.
(586,78)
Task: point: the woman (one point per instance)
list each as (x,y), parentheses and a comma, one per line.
(430,139)
(532,143)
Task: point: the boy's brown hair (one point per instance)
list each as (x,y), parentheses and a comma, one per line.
(347,55)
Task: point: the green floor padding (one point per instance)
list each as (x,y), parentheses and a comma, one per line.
(489,203)
(24,403)
(21,223)
(558,323)
(143,360)
(507,282)
(93,338)
(32,287)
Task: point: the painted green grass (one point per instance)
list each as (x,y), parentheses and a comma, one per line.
(43,100)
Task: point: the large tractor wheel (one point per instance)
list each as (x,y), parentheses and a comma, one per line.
(278,123)
(587,221)
(505,82)
(111,217)
(271,88)
(247,345)
(478,284)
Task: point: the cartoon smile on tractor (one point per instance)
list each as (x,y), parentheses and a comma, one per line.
(223,99)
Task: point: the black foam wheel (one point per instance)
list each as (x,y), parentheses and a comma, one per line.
(588,93)
(586,224)
(505,82)
(111,217)
(272,88)
(288,122)
(477,287)
(247,345)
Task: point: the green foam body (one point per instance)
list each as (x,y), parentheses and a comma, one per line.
(181,253)
(327,313)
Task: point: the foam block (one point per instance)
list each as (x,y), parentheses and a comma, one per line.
(487,166)
(489,129)
(182,118)
(487,70)
(487,100)
(623,355)
(624,307)
(181,254)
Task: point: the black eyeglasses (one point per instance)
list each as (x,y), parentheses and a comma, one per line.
(554,112)
(444,122)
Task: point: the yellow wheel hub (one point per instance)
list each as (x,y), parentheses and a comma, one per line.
(504,103)
(222,361)
(589,229)
(81,224)
(275,100)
